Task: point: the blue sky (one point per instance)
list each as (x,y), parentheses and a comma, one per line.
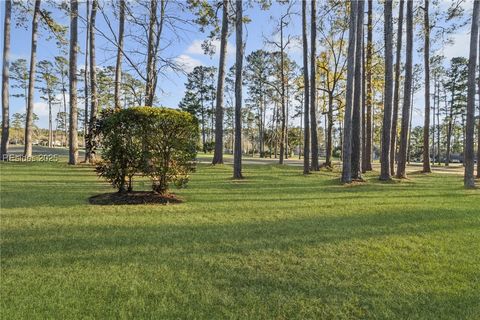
(189,52)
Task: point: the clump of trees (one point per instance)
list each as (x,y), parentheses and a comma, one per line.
(159,143)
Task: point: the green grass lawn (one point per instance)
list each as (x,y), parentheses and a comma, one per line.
(277,245)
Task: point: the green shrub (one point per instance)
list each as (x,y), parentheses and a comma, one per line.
(156,142)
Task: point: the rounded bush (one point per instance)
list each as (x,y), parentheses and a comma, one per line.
(156,142)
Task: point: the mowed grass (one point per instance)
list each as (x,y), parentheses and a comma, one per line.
(277,245)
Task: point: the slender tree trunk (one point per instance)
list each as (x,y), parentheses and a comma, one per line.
(409,145)
(478,125)
(449,132)
(433,118)
(154,34)
(388,93)
(369,93)
(118,64)
(347,127)
(396,93)
(402,155)
(50,126)
(218,153)
(31,81)
(282,77)
(149,90)
(5,80)
(329,145)
(90,148)
(469,178)
(438,125)
(426,61)
(73,135)
(364,111)
(313,86)
(357,99)
(64,94)
(306,99)
(237,155)
(85,80)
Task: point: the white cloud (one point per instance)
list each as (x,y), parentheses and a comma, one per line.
(187,63)
(40,108)
(195,48)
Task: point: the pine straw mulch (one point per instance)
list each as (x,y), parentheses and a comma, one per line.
(134,197)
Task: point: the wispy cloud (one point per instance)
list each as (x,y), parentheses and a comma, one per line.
(187,63)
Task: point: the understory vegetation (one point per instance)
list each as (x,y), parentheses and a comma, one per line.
(274,245)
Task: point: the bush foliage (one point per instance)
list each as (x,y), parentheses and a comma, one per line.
(156,142)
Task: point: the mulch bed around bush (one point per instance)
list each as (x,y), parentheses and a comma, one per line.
(136,197)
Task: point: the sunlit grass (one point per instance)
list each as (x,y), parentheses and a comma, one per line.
(276,245)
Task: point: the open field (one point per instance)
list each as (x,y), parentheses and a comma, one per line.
(276,245)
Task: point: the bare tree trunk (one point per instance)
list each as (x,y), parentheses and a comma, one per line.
(402,155)
(85,80)
(90,148)
(31,81)
(237,155)
(50,126)
(282,77)
(306,99)
(469,178)
(347,127)
(426,59)
(118,65)
(409,145)
(357,99)
(396,93)
(149,90)
(449,132)
(478,126)
(73,135)
(364,111)
(218,152)
(388,93)
(329,145)
(369,92)
(5,78)
(313,86)
(155,28)
(438,124)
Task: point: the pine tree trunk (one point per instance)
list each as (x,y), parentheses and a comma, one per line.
(364,111)
(31,82)
(369,91)
(5,80)
(478,125)
(402,155)
(50,127)
(388,93)
(90,148)
(469,178)
(218,152)
(237,154)
(118,64)
(306,99)
(85,80)
(357,99)
(396,93)
(313,87)
(282,79)
(73,136)
(347,127)
(329,144)
(426,61)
